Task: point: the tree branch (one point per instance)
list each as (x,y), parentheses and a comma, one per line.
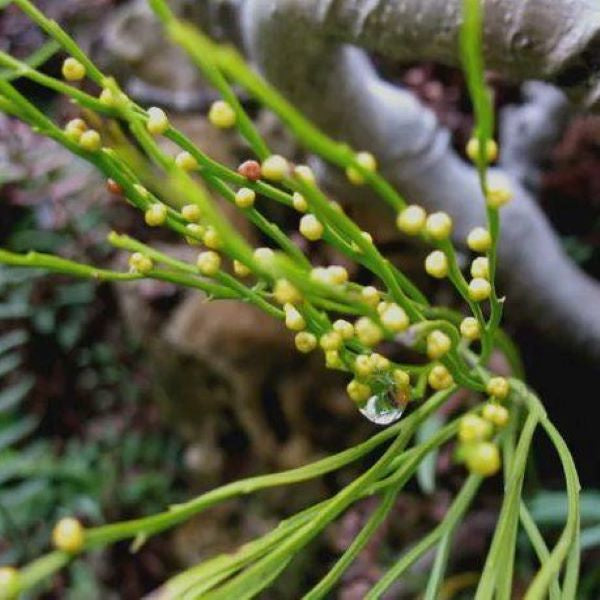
(300,46)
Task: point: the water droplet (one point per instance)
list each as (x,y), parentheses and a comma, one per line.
(385,406)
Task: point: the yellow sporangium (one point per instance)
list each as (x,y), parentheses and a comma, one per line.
(331,340)
(275,168)
(469,328)
(191,212)
(394,318)
(68,535)
(211,238)
(264,255)
(311,228)
(438,226)
(299,202)
(72,69)
(158,121)
(74,128)
(367,161)
(411,220)
(496,414)
(499,191)
(439,378)
(155,215)
(479,289)
(363,366)
(436,264)
(370,295)
(483,459)
(359,392)
(368,332)
(184,160)
(491,149)
(286,293)
(305,173)
(305,342)
(438,344)
(472,428)
(245,197)
(140,263)
(480,268)
(90,140)
(222,115)
(479,239)
(344,328)
(338,275)
(293,319)
(240,269)
(498,387)
(208,263)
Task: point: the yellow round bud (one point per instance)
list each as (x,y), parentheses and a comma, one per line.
(191,212)
(358,392)
(469,328)
(74,128)
(472,428)
(9,583)
(211,238)
(311,228)
(156,215)
(90,140)
(491,150)
(140,262)
(264,255)
(286,293)
(196,233)
(68,535)
(379,362)
(394,318)
(439,378)
(496,414)
(438,225)
(106,97)
(401,378)
(438,344)
(479,240)
(240,269)
(275,168)
(222,115)
(479,289)
(305,342)
(344,328)
(436,264)
(411,220)
(320,275)
(73,70)
(498,387)
(363,366)
(367,236)
(305,173)
(208,263)
(184,160)
(293,319)
(480,268)
(333,360)
(499,190)
(245,197)
(483,459)
(157,122)
(367,161)
(337,275)
(370,295)
(368,332)
(331,340)
(299,202)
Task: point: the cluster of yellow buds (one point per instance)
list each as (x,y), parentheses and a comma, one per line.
(480,453)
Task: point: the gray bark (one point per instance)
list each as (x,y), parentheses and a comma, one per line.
(301,46)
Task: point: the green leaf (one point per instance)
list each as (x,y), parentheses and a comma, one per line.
(11,340)
(9,363)
(17,431)
(13,395)
(426,470)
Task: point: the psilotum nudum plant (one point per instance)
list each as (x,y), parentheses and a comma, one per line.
(345,322)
